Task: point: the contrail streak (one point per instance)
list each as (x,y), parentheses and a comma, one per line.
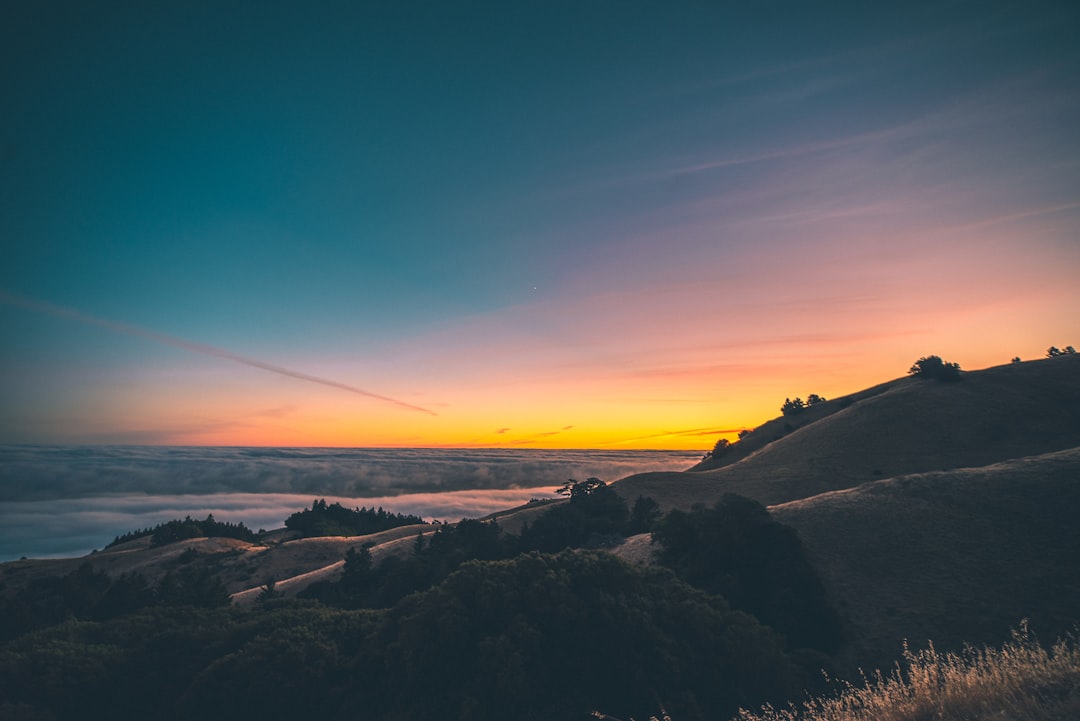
(57,311)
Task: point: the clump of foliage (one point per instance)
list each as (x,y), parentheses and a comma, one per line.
(172,531)
(89,595)
(337,520)
(735,549)
(723,445)
(435,556)
(791,407)
(934,368)
(595,517)
(1053,352)
(1020,680)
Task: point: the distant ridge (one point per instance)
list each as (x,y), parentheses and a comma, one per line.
(908,425)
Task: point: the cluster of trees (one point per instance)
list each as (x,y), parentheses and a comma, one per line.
(791,407)
(595,517)
(173,531)
(1054,352)
(337,520)
(735,549)
(934,368)
(89,595)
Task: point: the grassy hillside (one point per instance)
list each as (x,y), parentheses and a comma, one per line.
(954,556)
(909,425)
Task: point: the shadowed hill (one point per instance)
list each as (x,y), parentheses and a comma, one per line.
(909,425)
(953,556)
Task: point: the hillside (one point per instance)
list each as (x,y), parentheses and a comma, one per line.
(953,556)
(909,425)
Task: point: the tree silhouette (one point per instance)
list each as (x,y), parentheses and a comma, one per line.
(933,367)
(792,407)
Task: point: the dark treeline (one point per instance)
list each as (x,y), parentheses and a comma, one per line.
(89,595)
(535,637)
(173,531)
(475,624)
(337,520)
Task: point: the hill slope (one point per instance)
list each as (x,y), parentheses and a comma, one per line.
(953,556)
(909,425)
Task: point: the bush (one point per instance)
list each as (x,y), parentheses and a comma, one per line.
(736,549)
(934,368)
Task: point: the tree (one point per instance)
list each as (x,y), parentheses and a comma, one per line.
(792,407)
(722,446)
(579,489)
(933,367)
(813,399)
(643,516)
(736,549)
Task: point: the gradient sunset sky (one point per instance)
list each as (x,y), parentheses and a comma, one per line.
(525,224)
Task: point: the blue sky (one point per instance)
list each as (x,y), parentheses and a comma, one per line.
(598,221)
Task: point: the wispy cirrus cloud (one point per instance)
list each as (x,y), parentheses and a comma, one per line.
(57,311)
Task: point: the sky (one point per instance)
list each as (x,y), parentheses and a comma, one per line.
(552,224)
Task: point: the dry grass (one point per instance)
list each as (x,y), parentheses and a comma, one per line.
(1019,681)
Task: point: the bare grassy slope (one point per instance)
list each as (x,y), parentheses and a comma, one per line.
(905,426)
(953,556)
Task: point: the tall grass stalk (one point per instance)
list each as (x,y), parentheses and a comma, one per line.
(1020,681)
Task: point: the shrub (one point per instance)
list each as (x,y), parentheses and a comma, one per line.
(1021,681)
(736,549)
(933,367)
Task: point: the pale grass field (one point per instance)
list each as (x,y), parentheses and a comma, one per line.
(1018,681)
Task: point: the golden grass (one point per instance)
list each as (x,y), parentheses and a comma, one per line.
(1020,681)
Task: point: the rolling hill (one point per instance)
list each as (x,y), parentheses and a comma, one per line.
(909,425)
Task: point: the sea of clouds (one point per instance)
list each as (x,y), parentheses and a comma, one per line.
(66,501)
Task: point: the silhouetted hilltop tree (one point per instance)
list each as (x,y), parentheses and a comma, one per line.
(736,549)
(791,407)
(1054,352)
(723,445)
(934,368)
(337,520)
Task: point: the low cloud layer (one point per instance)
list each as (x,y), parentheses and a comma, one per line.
(38,473)
(64,501)
(74,527)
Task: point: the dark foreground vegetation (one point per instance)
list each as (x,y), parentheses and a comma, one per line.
(475,624)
